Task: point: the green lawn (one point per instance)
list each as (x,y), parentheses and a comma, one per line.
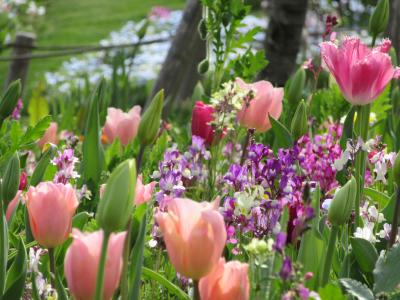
(82,22)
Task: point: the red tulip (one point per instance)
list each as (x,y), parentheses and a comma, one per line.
(202,115)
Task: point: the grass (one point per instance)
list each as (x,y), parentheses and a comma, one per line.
(83,22)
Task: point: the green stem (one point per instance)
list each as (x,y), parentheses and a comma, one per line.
(395,221)
(52,266)
(329,254)
(139,158)
(362,123)
(249,135)
(127,248)
(102,263)
(196,291)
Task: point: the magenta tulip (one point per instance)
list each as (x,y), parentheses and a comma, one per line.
(202,115)
(361,73)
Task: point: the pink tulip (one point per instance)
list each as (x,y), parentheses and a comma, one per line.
(122,125)
(50,136)
(194,234)
(143,193)
(82,262)
(51,207)
(12,205)
(267,101)
(226,281)
(361,73)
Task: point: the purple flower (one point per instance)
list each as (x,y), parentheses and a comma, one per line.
(16,114)
(304,293)
(65,162)
(280,242)
(286,270)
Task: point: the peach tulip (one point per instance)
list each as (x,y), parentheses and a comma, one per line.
(267,101)
(143,192)
(82,262)
(226,281)
(50,208)
(50,136)
(361,73)
(12,205)
(122,125)
(194,234)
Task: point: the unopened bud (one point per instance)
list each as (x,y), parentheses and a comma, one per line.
(379,18)
(296,86)
(203,66)
(342,203)
(299,126)
(151,120)
(202,28)
(116,205)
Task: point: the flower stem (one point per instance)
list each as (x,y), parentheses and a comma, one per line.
(139,158)
(362,124)
(52,266)
(249,135)
(329,255)
(127,248)
(395,221)
(102,263)
(196,291)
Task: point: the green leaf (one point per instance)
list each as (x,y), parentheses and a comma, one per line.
(357,289)
(388,210)
(3,249)
(38,108)
(93,155)
(42,165)
(377,196)
(347,128)
(137,257)
(15,282)
(365,254)
(61,293)
(33,134)
(331,292)
(283,138)
(80,220)
(386,272)
(10,99)
(172,288)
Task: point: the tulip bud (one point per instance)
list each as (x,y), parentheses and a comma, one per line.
(11,179)
(203,66)
(202,29)
(299,126)
(142,30)
(151,119)
(296,86)
(379,18)
(343,202)
(396,169)
(115,207)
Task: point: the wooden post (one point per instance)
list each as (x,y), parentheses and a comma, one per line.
(18,68)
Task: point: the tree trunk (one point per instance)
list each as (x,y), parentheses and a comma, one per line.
(393,30)
(178,75)
(283,38)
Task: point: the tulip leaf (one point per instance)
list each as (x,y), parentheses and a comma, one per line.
(3,249)
(378,197)
(15,282)
(172,288)
(386,272)
(80,220)
(347,128)
(137,255)
(93,156)
(283,138)
(388,210)
(357,289)
(42,165)
(365,254)
(33,134)
(10,99)
(61,293)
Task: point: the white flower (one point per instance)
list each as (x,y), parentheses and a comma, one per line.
(375,215)
(340,162)
(34,259)
(385,232)
(366,233)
